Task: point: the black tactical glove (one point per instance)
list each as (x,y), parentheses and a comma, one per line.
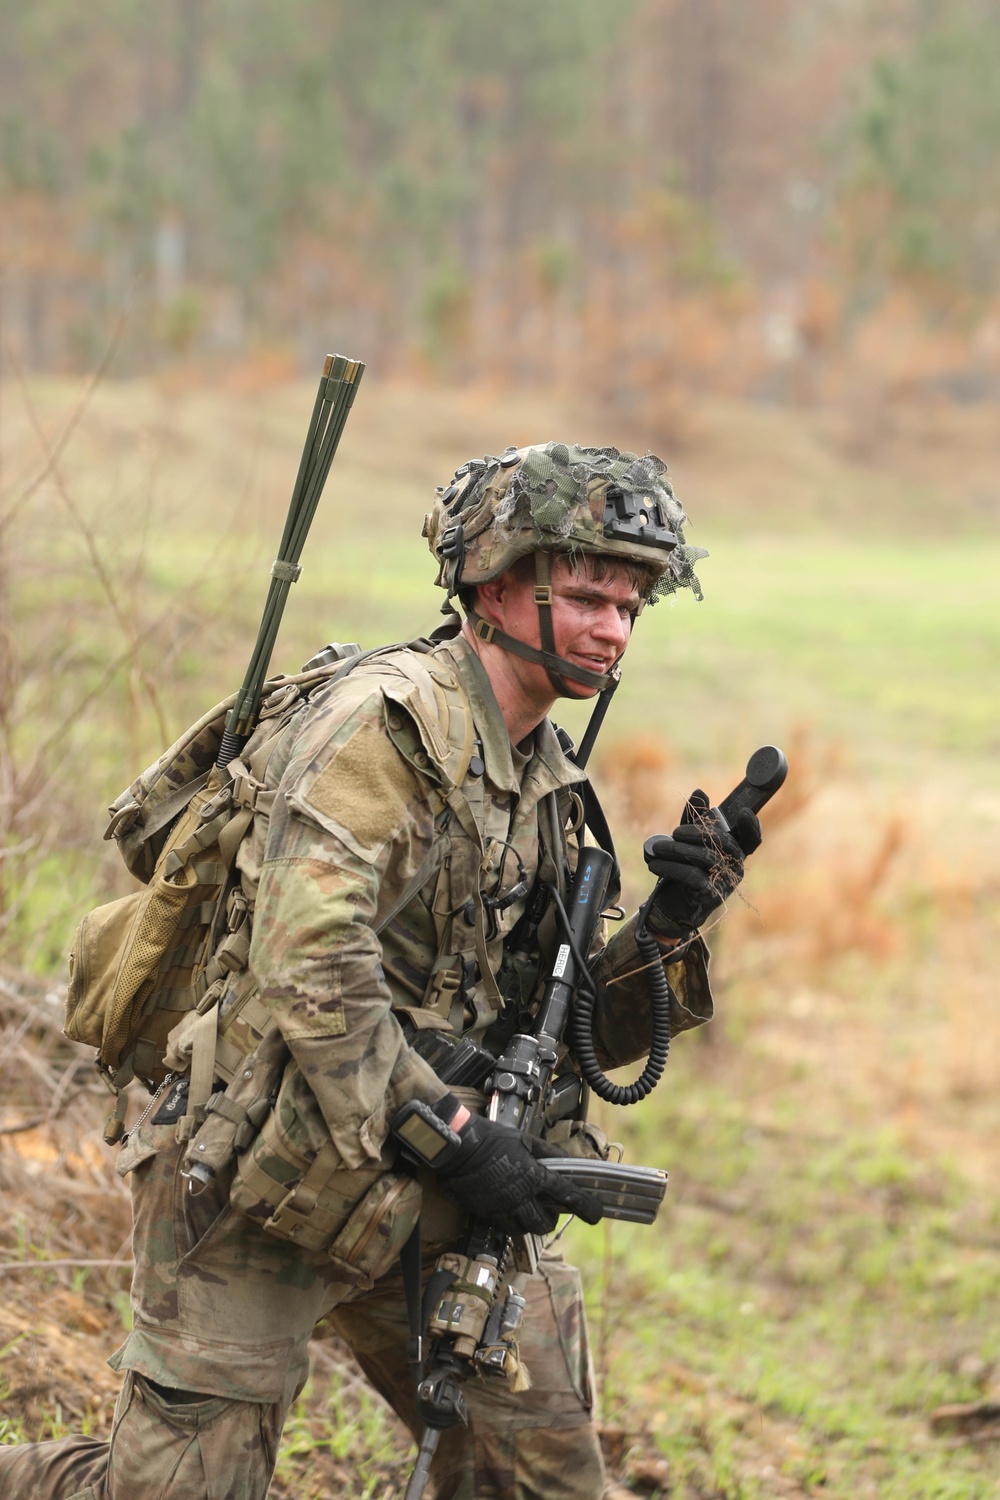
(494,1175)
(698,864)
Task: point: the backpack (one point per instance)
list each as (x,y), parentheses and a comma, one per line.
(147,970)
(142,964)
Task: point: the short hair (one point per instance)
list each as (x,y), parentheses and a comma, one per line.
(598,566)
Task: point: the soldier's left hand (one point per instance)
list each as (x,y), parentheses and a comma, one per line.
(496,1175)
(698,865)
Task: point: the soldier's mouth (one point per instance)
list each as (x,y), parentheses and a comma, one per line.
(592,663)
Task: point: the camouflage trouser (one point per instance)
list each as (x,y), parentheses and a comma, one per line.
(222,1319)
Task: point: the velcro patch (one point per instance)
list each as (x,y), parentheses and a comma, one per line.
(365,788)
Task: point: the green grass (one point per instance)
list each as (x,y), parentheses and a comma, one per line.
(885,645)
(340,1439)
(810,1297)
(889,647)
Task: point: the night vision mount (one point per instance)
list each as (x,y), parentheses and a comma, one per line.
(629,517)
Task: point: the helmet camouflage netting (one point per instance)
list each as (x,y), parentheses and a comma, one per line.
(561,498)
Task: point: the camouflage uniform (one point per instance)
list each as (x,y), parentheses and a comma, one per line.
(344,946)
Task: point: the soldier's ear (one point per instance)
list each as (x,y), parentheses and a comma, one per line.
(491,596)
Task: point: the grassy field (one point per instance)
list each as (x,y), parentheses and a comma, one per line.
(821,1287)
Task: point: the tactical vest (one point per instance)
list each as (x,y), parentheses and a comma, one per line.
(287,1179)
(160,979)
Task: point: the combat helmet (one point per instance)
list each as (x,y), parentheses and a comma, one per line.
(558,498)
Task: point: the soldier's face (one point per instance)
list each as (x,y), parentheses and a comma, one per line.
(591,618)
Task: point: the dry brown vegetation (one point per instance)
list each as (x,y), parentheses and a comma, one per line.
(64,1204)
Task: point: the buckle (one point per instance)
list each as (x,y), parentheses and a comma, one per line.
(452,543)
(543,594)
(122,819)
(236,909)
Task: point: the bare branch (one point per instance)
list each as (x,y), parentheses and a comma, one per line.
(57,449)
(125,621)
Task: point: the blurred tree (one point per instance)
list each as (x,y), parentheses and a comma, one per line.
(533,189)
(923,200)
(199,144)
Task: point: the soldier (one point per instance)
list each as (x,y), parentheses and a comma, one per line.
(405,820)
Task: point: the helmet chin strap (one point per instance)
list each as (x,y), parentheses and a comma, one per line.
(556,667)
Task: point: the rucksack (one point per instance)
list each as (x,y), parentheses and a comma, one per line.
(147,970)
(141,964)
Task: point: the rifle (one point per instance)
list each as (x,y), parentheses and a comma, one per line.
(475,1305)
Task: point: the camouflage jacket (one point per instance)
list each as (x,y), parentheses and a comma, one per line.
(364,883)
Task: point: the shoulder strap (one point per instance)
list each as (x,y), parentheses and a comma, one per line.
(594,814)
(596,820)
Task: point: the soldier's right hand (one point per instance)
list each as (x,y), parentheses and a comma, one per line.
(494,1176)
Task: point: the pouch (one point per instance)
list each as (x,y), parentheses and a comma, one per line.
(360,1218)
